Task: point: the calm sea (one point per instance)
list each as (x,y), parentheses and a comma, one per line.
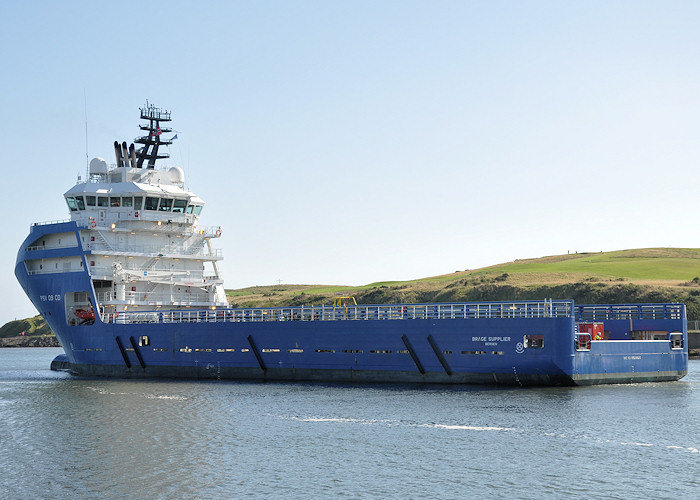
(63,437)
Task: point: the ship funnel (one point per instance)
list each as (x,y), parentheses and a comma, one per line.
(132,155)
(118,154)
(125,154)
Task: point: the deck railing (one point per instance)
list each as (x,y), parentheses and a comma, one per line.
(173,249)
(152,298)
(485,310)
(628,311)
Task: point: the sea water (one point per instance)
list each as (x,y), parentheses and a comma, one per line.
(67,437)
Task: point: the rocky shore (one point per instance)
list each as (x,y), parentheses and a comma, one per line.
(30,341)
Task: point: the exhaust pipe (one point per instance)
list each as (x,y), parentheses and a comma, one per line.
(118,154)
(132,155)
(125,154)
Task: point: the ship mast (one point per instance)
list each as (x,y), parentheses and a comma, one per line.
(152,141)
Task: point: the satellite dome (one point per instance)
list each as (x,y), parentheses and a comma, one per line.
(98,166)
(177,175)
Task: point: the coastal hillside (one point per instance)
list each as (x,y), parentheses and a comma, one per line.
(29,332)
(35,326)
(641,275)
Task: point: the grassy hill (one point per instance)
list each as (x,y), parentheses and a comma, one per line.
(642,275)
(35,326)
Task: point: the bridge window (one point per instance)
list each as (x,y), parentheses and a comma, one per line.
(179,206)
(80,202)
(189,209)
(90,201)
(138,201)
(197,209)
(151,203)
(165,204)
(115,201)
(127,201)
(102,201)
(71,203)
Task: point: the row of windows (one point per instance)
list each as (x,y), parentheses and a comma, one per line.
(153,203)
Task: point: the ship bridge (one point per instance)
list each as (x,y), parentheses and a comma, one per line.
(117,194)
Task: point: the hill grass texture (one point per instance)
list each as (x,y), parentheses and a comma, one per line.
(642,275)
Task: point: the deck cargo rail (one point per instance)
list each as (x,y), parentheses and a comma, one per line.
(435,311)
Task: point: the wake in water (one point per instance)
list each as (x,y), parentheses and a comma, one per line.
(105,392)
(472,428)
(387,422)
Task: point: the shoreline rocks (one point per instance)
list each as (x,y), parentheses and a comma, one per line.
(29,341)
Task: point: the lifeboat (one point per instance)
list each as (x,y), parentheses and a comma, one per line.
(83,314)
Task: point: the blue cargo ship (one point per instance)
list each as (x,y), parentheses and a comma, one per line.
(131,287)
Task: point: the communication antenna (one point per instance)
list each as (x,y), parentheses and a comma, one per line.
(87,171)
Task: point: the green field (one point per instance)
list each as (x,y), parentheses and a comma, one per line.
(650,264)
(642,275)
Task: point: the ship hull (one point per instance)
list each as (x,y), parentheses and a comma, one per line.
(478,343)
(449,351)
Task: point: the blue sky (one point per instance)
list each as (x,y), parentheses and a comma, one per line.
(353,142)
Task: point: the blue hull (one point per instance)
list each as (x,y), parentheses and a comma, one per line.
(519,343)
(440,351)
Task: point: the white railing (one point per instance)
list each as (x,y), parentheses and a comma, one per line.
(46,223)
(54,271)
(153,298)
(72,244)
(164,250)
(177,275)
(501,310)
(171,222)
(629,312)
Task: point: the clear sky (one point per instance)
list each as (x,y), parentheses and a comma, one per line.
(347,142)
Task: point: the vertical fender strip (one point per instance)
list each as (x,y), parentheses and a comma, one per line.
(413,354)
(257,353)
(439,355)
(136,350)
(121,349)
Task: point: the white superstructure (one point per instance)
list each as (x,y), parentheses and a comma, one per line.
(141,230)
